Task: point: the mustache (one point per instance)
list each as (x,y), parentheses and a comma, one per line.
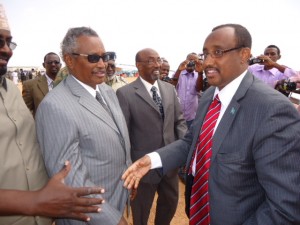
(4,56)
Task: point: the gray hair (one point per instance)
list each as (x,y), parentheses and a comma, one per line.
(69,43)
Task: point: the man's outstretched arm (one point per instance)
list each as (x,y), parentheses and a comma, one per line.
(55,199)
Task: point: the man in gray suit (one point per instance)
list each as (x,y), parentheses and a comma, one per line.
(254,173)
(92,133)
(149,129)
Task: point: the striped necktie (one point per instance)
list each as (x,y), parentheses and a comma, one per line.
(100,99)
(158,101)
(199,204)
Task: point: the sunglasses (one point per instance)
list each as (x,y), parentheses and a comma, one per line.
(10,44)
(94,58)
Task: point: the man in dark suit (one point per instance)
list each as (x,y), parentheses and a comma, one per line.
(81,120)
(152,126)
(254,173)
(35,90)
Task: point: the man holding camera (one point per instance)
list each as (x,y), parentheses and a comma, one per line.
(266,68)
(189,82)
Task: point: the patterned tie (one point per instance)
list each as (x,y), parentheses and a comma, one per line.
(100,99)
(158,102)
(199,205)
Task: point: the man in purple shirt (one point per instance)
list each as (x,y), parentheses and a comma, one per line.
(269,71)
(190,82)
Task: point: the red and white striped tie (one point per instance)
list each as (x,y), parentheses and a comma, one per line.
(199,205)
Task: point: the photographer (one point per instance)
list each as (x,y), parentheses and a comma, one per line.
(189,82)
(266,68)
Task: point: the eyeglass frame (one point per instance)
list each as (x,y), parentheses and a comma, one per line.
(203,56)
(109,55)
(151,61)
(51,62)
(12,45)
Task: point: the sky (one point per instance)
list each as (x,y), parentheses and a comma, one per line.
(173,28)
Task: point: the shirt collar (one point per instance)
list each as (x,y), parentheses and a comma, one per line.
(226,94)
(148,86)
(49,80)
(91,90)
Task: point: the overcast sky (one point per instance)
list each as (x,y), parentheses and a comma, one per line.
(174,28)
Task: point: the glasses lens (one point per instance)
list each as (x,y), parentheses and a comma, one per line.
(111,66)
(12,45)
(2,43)
(93,58)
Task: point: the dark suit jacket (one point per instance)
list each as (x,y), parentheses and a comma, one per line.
(34,91)
(147,130)
(255,171)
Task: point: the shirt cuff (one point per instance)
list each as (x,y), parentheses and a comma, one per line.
(155,160)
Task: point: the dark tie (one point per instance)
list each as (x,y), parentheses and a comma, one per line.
(100,99)
(199,205)
(158,102)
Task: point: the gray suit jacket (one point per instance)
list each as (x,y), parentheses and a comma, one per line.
(72,125)
(147,130)
(255,171)
(34,91)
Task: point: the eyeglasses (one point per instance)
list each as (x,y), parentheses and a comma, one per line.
(111,65)
(51,62)
(218,53)
(153,61)
(95,58)
(10,44)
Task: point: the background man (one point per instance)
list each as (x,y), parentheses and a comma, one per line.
(26,195)
(83,116)
(36,89)
(268,70)
(152,125)
(111,77)
(189,85)
(251,175)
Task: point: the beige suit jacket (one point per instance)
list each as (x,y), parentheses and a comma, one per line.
(21,164)
(34,92)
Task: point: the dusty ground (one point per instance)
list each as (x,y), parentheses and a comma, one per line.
(180,217)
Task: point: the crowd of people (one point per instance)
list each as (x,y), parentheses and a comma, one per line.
(81,144)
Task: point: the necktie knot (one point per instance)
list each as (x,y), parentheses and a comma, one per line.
(154,89)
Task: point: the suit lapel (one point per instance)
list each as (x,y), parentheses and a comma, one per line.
(43,85)
(108,95)
(91,104)
(231,112)
(143,93)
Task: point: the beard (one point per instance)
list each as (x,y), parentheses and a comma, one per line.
(3,71)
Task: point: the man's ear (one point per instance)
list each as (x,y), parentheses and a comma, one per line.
(69,61)
(44,65)
(246,54)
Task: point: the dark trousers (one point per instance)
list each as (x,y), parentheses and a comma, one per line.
(166,204)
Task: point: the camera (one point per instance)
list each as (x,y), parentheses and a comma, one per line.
(289,86)
(191,64)
(167,79)
(255,60)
